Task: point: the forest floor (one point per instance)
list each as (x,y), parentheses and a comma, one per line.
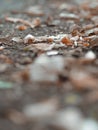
(49,66)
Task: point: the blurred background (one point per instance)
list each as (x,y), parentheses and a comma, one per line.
(10,4)
(13,4)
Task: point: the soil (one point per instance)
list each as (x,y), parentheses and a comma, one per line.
(15,61)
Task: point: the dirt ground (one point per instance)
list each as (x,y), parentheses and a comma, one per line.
(50,70)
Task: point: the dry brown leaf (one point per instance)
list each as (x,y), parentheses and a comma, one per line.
(21,27)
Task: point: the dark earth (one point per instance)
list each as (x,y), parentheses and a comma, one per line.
(76,86)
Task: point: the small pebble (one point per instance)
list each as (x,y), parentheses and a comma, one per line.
(90,55)
(52,53)
(29,39)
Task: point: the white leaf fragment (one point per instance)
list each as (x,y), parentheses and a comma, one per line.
(29,39)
